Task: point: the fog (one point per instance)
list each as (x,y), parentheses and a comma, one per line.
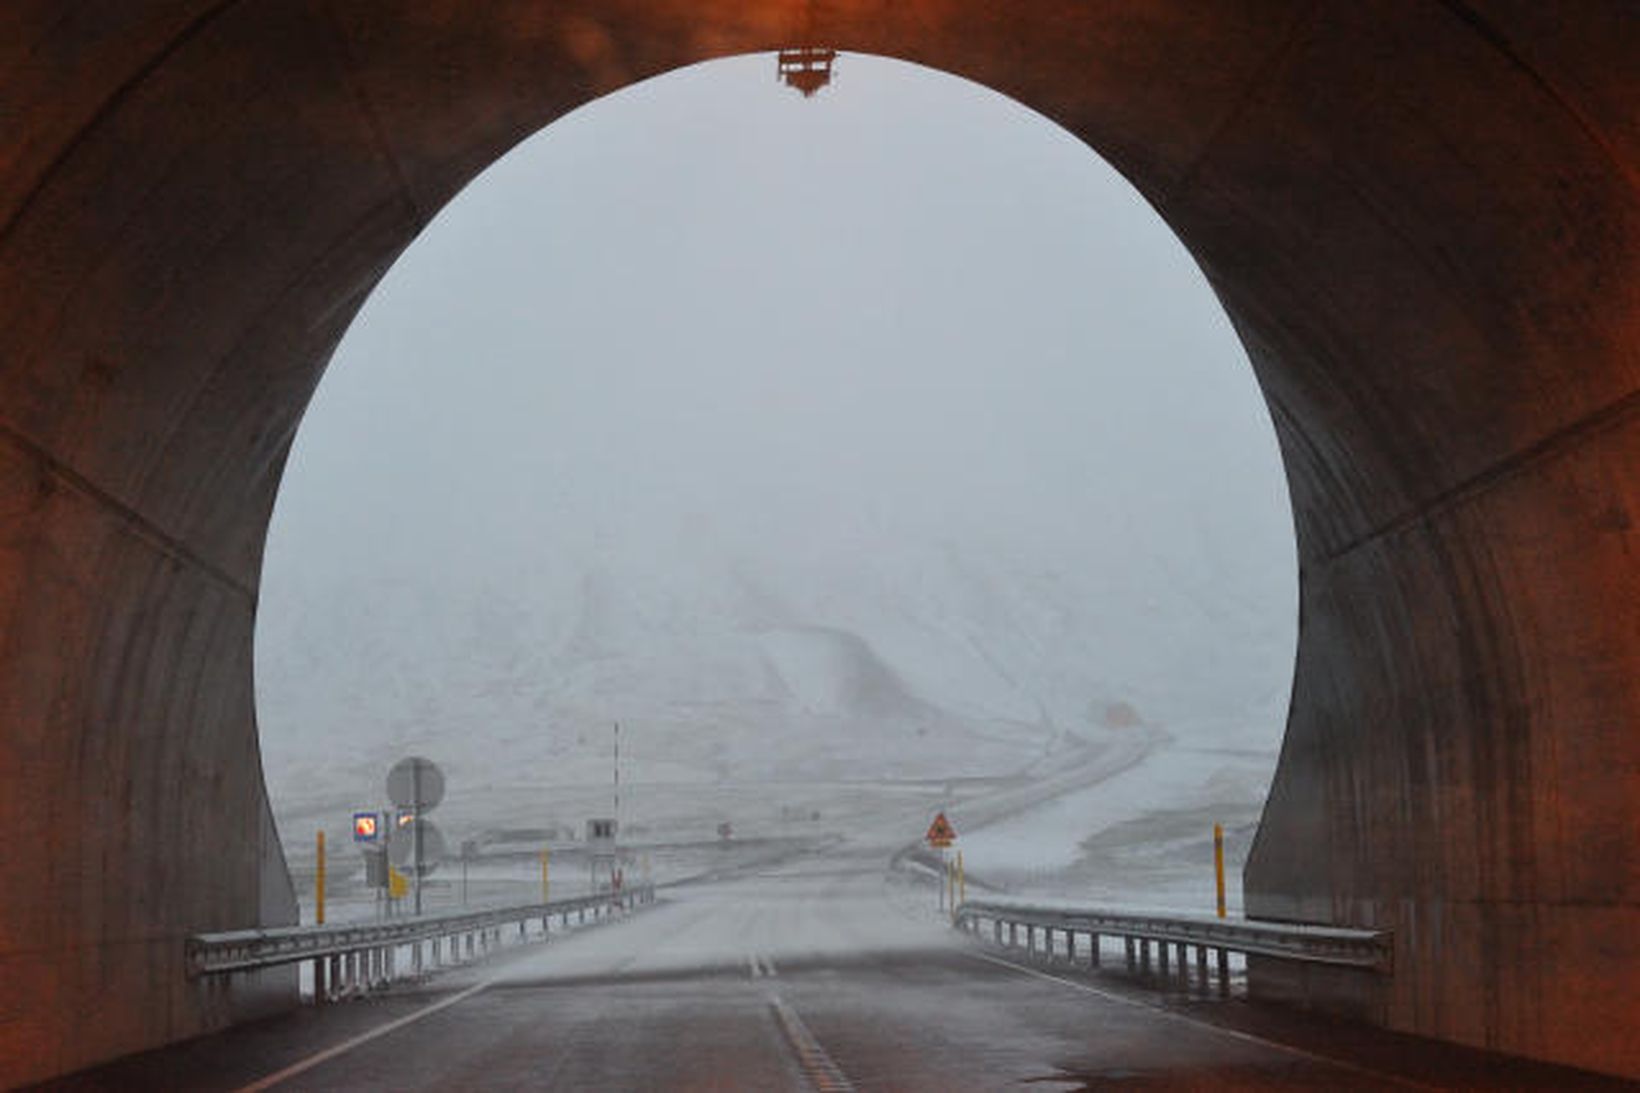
(882,438)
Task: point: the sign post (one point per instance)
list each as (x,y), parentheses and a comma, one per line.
(417,784)
(940,836)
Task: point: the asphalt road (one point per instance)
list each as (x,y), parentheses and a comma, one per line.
(822,975)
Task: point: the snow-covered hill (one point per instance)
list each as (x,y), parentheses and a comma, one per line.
(742,689)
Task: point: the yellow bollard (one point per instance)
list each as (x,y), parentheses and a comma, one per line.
(1218,863)
(546,884)
(319,884)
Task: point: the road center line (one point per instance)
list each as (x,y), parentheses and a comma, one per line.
(363,1038)
(818,1066)
(1234,1034)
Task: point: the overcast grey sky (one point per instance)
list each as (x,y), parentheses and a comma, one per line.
(705,316)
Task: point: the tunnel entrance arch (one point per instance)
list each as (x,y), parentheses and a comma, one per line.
(752,421)
(1422,219)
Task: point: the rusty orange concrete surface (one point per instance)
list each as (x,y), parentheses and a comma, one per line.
(1423,217)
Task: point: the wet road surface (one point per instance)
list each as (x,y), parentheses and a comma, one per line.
(822,976)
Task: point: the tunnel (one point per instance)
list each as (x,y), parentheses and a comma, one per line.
(1420,215)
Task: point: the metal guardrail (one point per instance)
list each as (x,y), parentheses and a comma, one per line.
(1366,949)
(356,956)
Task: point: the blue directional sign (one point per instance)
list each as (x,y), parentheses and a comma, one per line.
(365,827)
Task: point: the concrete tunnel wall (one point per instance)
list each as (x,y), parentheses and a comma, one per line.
(1422,217)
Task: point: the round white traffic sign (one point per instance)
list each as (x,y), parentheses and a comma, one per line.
(416,784)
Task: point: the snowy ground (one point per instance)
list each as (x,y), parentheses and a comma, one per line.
(1128,821)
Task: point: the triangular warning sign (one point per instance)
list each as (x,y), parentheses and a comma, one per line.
(940,832)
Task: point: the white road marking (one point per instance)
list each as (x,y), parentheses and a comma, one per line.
(363,1038)
(1234,1034)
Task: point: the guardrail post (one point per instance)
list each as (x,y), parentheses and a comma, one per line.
(1224,972)
(1161,959)
(1201,967)
(1070,946)
(1093,950)
(1127,944)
